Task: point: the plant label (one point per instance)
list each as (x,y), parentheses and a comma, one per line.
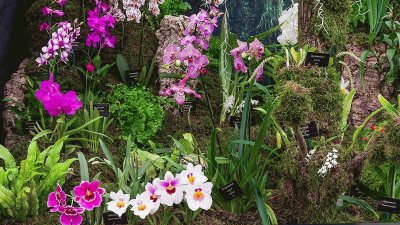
(132,77)
(189,106)
(30,126)
(389,205)
(230,191)
(111,218)
(103,108)
(235,121)
(310,131)
(317,59)
(355,191)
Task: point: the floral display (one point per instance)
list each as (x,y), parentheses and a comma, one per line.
(330,162)
(87,194)
(132,9)
(191,184)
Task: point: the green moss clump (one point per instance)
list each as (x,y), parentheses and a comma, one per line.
(303,195)
(323,85)
(294,104)
(386,144)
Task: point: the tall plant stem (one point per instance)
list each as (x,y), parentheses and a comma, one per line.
(210,110)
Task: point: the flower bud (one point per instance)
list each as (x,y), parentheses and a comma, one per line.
(90,67)
(244,55)
(178,63)
(203,71)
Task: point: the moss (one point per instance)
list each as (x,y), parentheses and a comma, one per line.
(294,105)
(323,87)
(304,196)
(336,22)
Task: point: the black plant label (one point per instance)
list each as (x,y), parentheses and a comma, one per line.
(111,218)
(235,121)
(189,106)
(317,59)
(30,125)
(310,131)
(103,108)
(132,77)
(230,191)
(389,205)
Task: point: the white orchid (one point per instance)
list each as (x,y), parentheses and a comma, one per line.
(193,174)
(330,162)
(151,189)
(142,205)
(119,203)
(170,189)
(343,86)
(198,196)
(289,28)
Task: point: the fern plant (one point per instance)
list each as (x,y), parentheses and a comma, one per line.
(24,188)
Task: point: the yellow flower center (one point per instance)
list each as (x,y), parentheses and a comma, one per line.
(141,207)
(344,91)
(120,204)
(198,195)
(170,187)
(191,179)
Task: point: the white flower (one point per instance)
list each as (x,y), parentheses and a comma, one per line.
(119,203)
(343,87)
(151,189)
(142,205)
(330,162)
(229,103)
(199,196)
(170,189)
(193,174)
(254,102)
(289,28)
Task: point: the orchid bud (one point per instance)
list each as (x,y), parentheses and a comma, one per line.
(278,140)
(250,58)
(244,55)
(178,63)
(90,67)
(203,71)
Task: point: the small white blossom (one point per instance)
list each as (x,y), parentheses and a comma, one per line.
(330,162)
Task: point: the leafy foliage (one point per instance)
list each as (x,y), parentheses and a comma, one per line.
(174,7)
(24,189)
(138,112)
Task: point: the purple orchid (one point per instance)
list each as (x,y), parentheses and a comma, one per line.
(239,65)
(62,2)
(101,22)
(179,92)
(70,215)
(171,54)
(256,49)
(259,72)
(187,40)
(56,198)
(237,52)
(58,13)
(46,11)
(89,194)
(44,26)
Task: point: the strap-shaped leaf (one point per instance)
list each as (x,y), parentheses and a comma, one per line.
(9,160)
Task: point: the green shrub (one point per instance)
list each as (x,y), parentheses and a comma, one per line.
(137,110)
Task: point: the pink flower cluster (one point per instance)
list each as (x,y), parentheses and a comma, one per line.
(186,57)
(54,101)
(244,51)
(87,194)
(132,9)
(47,11)
(60,44)
(101,22)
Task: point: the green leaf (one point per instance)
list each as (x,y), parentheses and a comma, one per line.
(363,204)
(363,59)
(7,200)
(222,160)
(266,33)
(171,75)
(346,108)
(96,61)
(123,66)
(54,153)
(388,107)
(83,167)
(264,214)
(9,160)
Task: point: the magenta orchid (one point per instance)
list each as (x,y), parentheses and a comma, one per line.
(101,22)
(89,194)
(56,198)
(170,189)
(54,101)
(70,215)
(244,51)
(151,189)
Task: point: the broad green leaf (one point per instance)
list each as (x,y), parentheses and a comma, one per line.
(123,66)
(9,160)
(83,167)
(388,107)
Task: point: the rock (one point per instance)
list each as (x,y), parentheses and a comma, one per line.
(14,89)
(366,100)
(170,31)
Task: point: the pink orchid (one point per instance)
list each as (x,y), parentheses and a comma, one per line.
(171,54)
(170,189)
(259,73)
(70,215)
(237,52)
(89,194)
(189,39)
(239,65)
(179,92)
(194,69)
(189,54)
(62,2)
(46,11)
(56,198)
(58,13)
(44,26)
(256,49)
(151,189)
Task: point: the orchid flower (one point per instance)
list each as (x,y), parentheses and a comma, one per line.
(56,198)
(70,215)
(344,85)
(170,189)
(142,205)
(198,196)
(89,194)
(179,92)
(151,189)
(119,203)
(193,174)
